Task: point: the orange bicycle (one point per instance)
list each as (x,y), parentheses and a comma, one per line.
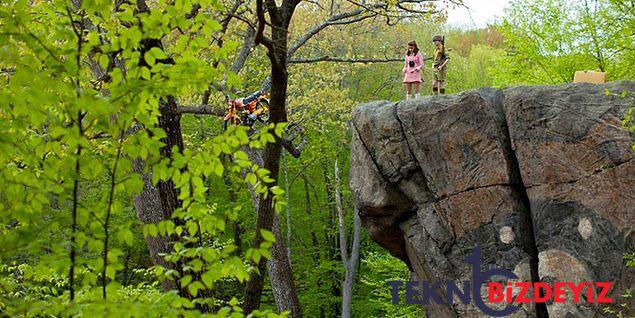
(246,111)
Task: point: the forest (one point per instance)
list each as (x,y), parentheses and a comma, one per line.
(123,195)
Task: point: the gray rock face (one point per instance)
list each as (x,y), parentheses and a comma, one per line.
(541,178)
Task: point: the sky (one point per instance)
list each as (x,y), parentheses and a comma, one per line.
(479,14)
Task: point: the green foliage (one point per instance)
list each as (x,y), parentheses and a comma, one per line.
(475,70)
(379,269)
(630,260)
(622,306)
(548,40)
(82,95)
(79,113)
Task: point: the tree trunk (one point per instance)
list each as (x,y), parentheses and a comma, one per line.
(307,200)
(287,208)
(349,278)
(150,211)
(349,262)
(282,283)
(331,238)
(281,276)
(265,215)
(153,204)
(279,266)
(277,53)
(156,204)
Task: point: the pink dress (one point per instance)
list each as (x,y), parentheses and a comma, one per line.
(412,74)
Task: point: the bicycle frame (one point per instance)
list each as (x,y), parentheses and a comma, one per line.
(246,111)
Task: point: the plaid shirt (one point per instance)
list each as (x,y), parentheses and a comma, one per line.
(440,56)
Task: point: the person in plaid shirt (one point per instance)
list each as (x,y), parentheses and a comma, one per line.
(441,59)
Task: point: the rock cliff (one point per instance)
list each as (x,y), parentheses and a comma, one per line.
(541,178)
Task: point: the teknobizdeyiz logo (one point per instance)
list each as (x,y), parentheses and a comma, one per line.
(542,292)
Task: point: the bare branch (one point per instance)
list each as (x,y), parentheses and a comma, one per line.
(290,148)
(317,28)
(260,12)
(274,13)
(267,42)
(231,13)
(341,216)
(364,11)
(348,60)
(248,46)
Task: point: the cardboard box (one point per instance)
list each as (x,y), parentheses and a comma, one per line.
(589,77)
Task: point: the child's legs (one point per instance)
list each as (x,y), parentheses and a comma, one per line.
(408,88)
(442,87)
(435,85)
(416,87)
(441,79)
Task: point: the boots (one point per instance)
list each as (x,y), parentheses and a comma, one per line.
(417,95)
(407,96)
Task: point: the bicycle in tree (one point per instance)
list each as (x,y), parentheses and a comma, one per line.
(247,111)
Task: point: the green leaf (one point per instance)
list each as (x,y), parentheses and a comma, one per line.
(218,169)
(157,53)
(210,277)
(194,287)
(151,230)
(267,235)
(256,256)
(186,280)
(110,272)
(277,190)
(126,236)
(145,73)
(266,253)
(149,58)
(280,129)
(104,60)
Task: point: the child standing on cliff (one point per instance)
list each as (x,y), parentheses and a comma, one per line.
(412,70)
(441,59)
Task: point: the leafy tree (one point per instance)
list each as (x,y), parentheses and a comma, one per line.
(548,40)
(123,197)
(96,127)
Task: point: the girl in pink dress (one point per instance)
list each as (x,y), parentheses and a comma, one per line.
(412,70)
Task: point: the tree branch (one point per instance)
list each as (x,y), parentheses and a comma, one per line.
(225,24)
(274,14)
(343,60)
(260,13)
(290,148)
(348,60)
(248,46)
(317,28)
(345,18)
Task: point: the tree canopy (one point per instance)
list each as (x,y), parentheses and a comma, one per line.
(122,195)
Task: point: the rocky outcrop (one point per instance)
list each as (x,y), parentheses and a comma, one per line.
(540,178)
